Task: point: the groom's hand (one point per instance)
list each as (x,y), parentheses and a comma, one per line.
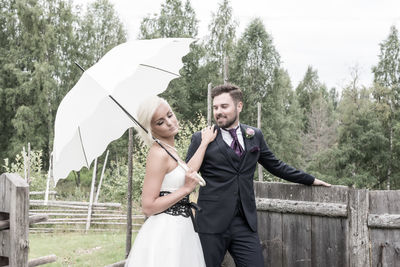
(320,183)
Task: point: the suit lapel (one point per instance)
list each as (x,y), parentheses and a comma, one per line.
(245,140)
(247,144)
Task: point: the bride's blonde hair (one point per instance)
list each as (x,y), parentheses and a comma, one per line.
(144,114)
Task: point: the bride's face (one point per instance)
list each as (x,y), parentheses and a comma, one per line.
(164,123)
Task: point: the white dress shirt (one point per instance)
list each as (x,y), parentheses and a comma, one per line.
(228,138)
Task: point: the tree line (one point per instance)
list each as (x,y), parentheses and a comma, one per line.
(351,139)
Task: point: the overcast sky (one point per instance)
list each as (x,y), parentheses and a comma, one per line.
(331,36)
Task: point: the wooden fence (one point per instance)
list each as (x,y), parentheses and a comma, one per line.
(14,223)
(298,225)
(73,216)
(318,226)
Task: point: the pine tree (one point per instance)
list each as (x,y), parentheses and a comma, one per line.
(174,20)
(386,92)
(10,76)
(42,42)
(43,38)
(100,30)
(253,68)
(187,95)
(309,89)
(281,120)
(219,43)
(321,134)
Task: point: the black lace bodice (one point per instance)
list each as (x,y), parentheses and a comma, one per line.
(182,208)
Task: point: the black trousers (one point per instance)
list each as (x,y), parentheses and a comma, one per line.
(242,243)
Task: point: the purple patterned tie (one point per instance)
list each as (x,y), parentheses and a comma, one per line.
(235,145)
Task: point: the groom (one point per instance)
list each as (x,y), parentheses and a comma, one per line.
(228,220)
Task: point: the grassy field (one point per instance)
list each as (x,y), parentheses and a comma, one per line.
(78,249)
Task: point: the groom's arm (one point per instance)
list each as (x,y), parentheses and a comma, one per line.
(280,169)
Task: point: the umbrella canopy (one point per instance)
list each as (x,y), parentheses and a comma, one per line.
(88,119)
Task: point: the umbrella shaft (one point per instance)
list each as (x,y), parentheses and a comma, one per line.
(141,126)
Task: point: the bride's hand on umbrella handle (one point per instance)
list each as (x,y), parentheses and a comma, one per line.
(200,179)
(190,181)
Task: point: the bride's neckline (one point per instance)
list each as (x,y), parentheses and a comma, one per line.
(164,143)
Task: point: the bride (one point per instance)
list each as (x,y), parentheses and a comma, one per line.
(168,237)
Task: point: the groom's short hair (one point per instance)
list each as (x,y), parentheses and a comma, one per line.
(233,90)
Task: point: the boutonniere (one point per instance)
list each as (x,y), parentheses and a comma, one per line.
(249,133)
(254,149)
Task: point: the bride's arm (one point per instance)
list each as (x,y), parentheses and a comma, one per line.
(156,169)
(207,136)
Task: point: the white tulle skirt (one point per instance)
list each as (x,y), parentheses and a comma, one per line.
(168,241)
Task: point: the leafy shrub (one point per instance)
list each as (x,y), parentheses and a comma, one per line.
(38,177)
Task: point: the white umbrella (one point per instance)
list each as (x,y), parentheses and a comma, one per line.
(88,119)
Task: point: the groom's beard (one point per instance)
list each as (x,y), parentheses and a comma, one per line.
(227,124)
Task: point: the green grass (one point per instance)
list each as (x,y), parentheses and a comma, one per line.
(79,249)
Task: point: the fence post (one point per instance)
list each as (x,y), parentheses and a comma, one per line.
(24,155)
(128,241)
(49,178)
(358,229)
(101,177)
(14,200)
(90,207)
(14,223)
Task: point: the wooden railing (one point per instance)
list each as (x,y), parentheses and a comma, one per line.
(319,226)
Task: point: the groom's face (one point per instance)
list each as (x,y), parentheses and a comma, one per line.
(226,111)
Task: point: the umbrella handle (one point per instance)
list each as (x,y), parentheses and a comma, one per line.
(186,168)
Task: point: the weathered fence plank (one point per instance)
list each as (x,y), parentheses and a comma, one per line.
(270,227)
(35,193)
(391,221)
(83,204)
(358,230)
(5,224)
(385,242)
(42,260)
(302,207)
(296,227)
(328,244)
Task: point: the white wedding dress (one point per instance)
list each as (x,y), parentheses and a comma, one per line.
(167,240)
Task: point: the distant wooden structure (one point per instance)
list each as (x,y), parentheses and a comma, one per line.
(319,226)
(14,223)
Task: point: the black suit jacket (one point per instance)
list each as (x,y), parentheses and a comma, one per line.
(230,179)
